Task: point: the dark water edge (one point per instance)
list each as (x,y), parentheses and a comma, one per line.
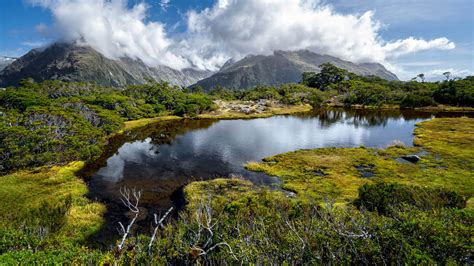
(161,159)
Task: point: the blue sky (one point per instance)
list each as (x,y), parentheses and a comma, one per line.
(24,25)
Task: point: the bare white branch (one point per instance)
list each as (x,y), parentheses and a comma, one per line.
(158,224)
(133,207)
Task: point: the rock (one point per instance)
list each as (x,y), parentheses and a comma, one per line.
(245,109)
(366,171)
(411,158)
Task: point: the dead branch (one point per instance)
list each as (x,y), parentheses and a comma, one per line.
(158,224)
(132,205)
(206,225)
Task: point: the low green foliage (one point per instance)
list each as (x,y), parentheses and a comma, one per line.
(384,197)
(42,209)
(374,91)
(405,213)
(255,225)
(333,172)
(55,122)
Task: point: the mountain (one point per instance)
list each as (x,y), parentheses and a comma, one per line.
(70,62)
(283,67)
(5,61)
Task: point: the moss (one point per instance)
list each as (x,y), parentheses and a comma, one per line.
(25,192)
(129,125)
(437,108)
(448,164)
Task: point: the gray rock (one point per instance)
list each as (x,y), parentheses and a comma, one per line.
(411,158)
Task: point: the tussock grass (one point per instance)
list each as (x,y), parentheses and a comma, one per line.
(449,164)
(129,125)
(29,198)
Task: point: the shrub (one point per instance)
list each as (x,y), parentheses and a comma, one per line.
(385,197)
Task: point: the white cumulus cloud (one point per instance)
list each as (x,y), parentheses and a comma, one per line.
(229,28)
(114,29)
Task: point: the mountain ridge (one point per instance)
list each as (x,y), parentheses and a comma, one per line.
(283,67)
(68,62)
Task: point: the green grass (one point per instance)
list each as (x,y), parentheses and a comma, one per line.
(30,196)
(437,108)
(129,125)
(54,197)
(332,173)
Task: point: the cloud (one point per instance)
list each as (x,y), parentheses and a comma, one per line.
(412,45)
(229,28)
(437,74)
(41,28)
(34,44)
(114,29)
(262,26)
(164,4)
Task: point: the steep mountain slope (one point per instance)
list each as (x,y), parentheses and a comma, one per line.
(283,67)
(69,62)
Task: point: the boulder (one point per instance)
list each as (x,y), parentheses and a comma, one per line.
(411,158)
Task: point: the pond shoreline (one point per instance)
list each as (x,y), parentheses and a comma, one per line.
(163,126)
(136,124)
(288,110)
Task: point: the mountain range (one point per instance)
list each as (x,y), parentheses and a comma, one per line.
(283,67)
(70,62)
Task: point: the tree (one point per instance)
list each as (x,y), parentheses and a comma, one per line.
(330,74)
(447,74)
(422,77)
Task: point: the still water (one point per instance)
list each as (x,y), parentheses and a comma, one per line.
(160,159)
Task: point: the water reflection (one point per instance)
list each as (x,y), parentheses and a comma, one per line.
(162,158)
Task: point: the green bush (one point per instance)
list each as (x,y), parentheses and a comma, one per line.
(456,92)
(385,197)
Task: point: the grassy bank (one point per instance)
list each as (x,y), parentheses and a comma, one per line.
(434,108)
(446,148)
(45,217)
(132,124)
(45,209)
(271,111)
